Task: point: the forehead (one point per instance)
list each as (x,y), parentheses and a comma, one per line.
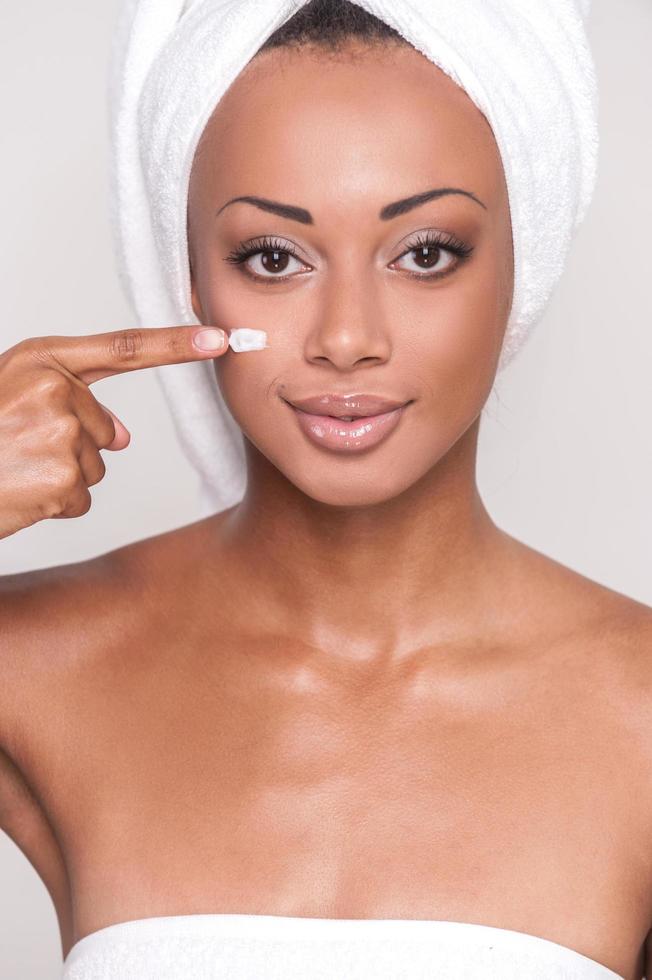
(353,117)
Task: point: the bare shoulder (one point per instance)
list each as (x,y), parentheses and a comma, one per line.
(606,632)
(57,623)
(66,632)
(574,598)
(620,624)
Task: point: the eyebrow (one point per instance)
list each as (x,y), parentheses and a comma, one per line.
(392,210)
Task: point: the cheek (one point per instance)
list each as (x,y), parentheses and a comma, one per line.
(246,380)
(248,383)
(227,301)
(456,335)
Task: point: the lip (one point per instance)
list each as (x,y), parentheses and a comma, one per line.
(360,404)
(320,419)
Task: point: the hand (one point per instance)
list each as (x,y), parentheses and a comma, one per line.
(52,428)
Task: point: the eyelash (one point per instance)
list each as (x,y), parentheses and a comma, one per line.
(430,239)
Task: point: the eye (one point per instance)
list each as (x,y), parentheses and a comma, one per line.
(274,258)
(430,249)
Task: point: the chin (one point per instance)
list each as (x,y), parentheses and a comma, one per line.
(335,487)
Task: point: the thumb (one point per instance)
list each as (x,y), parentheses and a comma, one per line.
(122,435)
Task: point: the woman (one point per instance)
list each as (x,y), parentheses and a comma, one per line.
(349,696)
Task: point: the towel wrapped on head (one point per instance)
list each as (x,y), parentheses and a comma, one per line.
(526,64)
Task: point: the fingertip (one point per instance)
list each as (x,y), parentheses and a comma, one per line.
(211,340)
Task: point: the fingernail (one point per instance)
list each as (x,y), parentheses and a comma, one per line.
(210,339)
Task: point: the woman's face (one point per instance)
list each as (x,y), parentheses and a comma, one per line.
(353,299)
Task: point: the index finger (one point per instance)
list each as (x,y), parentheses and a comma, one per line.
(102,355)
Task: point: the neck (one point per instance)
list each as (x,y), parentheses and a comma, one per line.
(370,579)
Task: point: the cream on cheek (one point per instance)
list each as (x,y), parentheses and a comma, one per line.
(245,339)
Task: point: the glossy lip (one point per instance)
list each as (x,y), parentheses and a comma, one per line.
(359,405)
(332,432)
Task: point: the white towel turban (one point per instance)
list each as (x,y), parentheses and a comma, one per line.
(526,64)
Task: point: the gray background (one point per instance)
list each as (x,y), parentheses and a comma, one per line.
(565,456)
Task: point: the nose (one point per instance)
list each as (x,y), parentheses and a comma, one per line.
(350,330)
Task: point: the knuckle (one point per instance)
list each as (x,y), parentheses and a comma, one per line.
(65,478)
(34,348)
(53,507)
(177,343)
(82,504)
(127,345)
(26,345)
(70,429)
(48,509)
(51,383)
(62,490)
(79,505)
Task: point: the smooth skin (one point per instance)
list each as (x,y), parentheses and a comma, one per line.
(352,695)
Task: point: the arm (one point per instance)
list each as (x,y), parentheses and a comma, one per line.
(22,818)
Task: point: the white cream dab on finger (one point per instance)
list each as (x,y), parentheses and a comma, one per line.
(244,339)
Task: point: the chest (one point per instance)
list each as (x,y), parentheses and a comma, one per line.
(413,794)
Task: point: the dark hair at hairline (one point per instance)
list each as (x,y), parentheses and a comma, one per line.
(330,24)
